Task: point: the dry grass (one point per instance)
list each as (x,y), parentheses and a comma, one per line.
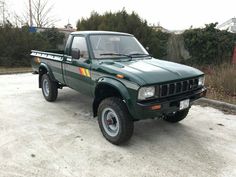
(4,70)
(221,82)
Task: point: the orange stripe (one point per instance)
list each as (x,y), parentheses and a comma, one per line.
(80,70)
(83,72)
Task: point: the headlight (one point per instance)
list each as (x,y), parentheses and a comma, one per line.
(201,81)
(146,92)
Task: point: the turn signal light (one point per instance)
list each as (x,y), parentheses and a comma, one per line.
(37,60)
(120,76)
(156,107)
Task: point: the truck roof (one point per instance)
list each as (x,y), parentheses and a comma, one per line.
(100,32)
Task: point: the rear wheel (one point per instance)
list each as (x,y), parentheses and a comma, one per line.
(49,88)
(115,121)
(176,116)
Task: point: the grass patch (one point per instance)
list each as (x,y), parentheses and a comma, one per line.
(4,70)
(221,82)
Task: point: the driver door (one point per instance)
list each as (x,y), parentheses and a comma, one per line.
(77,71)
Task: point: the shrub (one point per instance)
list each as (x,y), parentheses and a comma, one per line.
(17,43)
(209,45)
(129,23)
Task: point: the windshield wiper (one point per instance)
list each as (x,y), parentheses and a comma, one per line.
(126,55)
(115,54)
(140,54)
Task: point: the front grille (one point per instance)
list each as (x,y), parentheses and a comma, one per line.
(176,88)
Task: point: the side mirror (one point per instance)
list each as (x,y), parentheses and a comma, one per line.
(75,53)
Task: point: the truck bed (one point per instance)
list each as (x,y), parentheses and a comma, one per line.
(50,54)
(52,59)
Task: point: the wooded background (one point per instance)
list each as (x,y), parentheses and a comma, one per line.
(203,46)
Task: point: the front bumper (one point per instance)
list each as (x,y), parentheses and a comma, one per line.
(167,105)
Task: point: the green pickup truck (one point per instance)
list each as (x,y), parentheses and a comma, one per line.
(126,83)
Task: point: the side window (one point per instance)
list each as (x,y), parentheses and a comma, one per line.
(80,43)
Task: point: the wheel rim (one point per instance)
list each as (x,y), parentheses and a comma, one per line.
(45,87)
(110,122)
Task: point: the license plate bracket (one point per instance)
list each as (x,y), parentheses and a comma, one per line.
(184,104)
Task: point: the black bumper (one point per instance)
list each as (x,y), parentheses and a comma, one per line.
(167,105)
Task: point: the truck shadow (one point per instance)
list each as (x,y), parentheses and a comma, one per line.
(149,131)
(75,102)
(159,130)
(153,140)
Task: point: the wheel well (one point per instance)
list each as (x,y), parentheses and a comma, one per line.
(42,71)
(104,91)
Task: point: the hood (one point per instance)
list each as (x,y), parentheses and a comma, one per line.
(150,71)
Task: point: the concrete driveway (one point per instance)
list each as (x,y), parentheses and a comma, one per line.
(43,139)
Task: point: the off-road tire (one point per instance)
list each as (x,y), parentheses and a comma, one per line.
(52,88)
(177,116)
(126,124)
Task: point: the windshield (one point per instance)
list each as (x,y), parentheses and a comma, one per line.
(116,46)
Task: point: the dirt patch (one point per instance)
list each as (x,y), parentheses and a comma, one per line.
(15,70)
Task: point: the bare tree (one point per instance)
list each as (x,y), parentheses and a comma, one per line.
(37,13)
(17,20)
(7,15)
(42,13)
(2,11)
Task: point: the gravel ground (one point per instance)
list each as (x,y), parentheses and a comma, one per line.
(43,139)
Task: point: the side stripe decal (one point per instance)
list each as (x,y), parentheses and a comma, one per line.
(84,72)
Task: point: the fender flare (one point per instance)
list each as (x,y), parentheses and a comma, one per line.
(116,84)
(120,87)
(42,68)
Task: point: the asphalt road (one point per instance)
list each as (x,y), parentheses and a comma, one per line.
(43,139)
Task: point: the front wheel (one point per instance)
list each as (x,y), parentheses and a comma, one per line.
(176,116)
(115,121)
(49,88)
